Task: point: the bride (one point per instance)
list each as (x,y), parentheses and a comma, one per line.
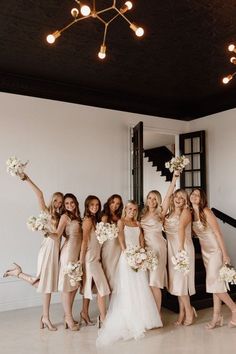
(132,309)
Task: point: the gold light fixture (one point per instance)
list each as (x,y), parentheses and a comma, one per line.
(228,78)
(85,12)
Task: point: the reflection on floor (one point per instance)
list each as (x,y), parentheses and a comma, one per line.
(20,334)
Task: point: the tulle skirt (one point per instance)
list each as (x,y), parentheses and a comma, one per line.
(132,308)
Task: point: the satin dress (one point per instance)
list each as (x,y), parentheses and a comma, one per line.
(93,269)
(132,309)
(154,240)
(70,252)
(48,266)
(110,256)
(212,257)
(179,284)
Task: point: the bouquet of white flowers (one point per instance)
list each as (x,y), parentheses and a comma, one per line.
(181,262)
(228,275)
(74,271)
(15,167)
(106,231)
(140,259)
(40,223)
(177,163)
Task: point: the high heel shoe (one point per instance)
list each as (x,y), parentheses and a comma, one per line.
(70,324)
(86,320)
(217,321)
(189,322)
(180,320)
(47,323)
(15,272)
(99,322)
(231,323)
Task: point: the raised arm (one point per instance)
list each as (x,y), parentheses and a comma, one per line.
(166,202)
(211,220)
(60,229)
(87,227)
(184,220)
(121,236)
(37,191)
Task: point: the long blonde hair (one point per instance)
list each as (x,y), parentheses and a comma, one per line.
(55,214)
(172,206)
(158,207)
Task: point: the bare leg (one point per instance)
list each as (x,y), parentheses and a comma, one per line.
(231,305)
(45,320)
(69,321)
(157,296)
(16,271)
(181,316)
(217,319)
(101,306)
(84,314)
(189,310)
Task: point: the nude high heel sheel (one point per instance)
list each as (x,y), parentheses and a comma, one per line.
(68,324)
(99,322)
(194,316)
(46,323)
(217,321)
(15,272)
(231,323)
(86,320)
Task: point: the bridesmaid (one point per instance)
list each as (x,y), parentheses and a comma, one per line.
(177,226)
(214,255)
(151,223)
(90,256)
(70,227)
(111,213)
(46,280)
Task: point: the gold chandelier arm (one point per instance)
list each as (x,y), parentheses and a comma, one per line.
(104,10)
(113,18)
(72,23)
(105,34)
(120,13)
(100,19)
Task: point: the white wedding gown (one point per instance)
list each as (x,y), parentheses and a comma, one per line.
(132,308)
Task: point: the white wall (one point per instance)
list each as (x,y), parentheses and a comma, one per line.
(71,148)
(221,167)
(152,179)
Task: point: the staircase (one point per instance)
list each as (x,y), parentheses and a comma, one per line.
(159,156)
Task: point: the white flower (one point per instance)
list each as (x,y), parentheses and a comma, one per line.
(181,262)
(106,231)
(15,167)
(74,271)
(140,259)
(40,223)
(177,163)
(228,275)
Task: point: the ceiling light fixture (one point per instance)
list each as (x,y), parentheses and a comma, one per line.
(85,12)
(226,79)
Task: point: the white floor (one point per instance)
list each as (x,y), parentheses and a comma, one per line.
(20,334)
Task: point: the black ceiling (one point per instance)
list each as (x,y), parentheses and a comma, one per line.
(174,71)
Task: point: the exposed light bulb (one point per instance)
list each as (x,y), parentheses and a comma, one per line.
(51,39)
(231,47)
(85,10)
(75,12)
(102,53)
(139,32)
(129,5)
(233,60)
(227,79)
(53,36)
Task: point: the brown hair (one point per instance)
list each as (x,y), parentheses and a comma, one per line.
(87,213)
(76,215)
(106,208)
(202,205)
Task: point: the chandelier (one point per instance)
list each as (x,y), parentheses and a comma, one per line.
(84,12)
(226,79)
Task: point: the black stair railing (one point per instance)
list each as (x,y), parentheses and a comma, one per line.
(224,217)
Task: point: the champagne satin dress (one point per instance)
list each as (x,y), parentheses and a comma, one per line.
(110,256)
(93,269)
(179,283)
(48,266)
(154,240)
(69,253)
(212,257)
